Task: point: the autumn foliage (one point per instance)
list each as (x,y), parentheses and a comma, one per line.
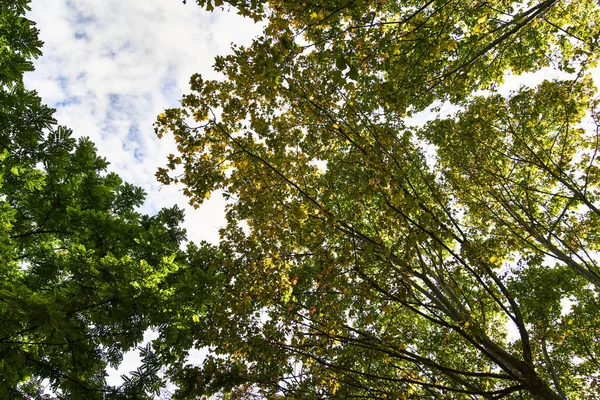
(373,252)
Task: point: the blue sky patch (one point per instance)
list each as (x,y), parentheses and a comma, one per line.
(168,84)
(132,140)
(67,102)
(63,82)
(81,36)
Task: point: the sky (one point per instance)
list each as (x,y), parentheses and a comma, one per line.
(111,66)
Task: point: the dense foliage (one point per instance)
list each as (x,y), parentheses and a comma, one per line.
(365,257)
(83,274)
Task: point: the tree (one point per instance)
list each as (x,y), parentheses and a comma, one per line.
(84,274)
(364,258)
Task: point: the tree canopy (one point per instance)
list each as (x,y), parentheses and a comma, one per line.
(83,273)
(369,252)
(366,257)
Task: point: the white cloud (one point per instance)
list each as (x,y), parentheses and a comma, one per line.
(110,66)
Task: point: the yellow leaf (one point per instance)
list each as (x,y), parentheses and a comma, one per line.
(335,387)
(476,29)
